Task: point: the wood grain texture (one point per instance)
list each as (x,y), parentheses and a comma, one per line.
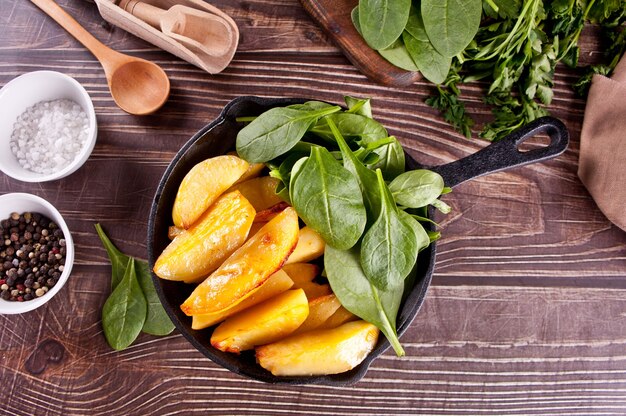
(525,316)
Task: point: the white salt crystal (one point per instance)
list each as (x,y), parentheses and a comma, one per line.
(49,135)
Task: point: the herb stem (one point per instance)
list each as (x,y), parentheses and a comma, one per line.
(493,5)
(245,119)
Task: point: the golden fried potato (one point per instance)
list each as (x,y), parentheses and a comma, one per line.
(199,250)
(261,192)
(320,309)
(263,323)
(254,170)
(302,275)
(277,283)
(247,268)
(321,351)
(173,231)
(310,246)
(340,317)
(203,184)
(271,212)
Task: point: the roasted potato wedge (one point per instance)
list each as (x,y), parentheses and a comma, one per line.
(340,317)
(321,351)
(247,268)
(263,323)
(199,250)
(310,246)
(302,275)
(256,226)
(271,212)
(261,192)
(277,283)
(253,171)
(173,231)
(320,309)
(202,185)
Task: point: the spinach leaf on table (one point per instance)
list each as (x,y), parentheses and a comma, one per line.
(382,21)
(157,322)
(276,131)
(124,312)
(358,295)
(417,188)
(389,247)
(118,260)
(328,198)
(451,24)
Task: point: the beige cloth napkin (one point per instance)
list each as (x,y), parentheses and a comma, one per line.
(602,163)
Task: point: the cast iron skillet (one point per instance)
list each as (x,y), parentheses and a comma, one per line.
(218,137)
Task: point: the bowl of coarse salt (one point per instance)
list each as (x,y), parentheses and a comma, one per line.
(47,126)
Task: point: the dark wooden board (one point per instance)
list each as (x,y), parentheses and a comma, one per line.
(526,314)
(334,17)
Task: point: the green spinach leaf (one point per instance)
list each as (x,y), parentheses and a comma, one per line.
(421,235)
(351,126)
(358,295)
(118,260)
(328,199)
(157,322)
(399,56)
(361,106)
(382,21)
(391,159)
(433,65)
(416,188)
(310,106)
(276,131)
(124,312)
(389,247)
(451,24)
(365,176)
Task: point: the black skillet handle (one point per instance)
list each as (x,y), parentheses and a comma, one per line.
(505,154)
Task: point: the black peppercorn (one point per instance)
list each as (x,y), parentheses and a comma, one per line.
(32,248)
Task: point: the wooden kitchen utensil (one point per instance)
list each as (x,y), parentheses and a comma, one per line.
(137,86)
(200,31)
(117,16)
(334,17)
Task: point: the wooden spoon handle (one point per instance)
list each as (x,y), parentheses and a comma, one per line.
(150,14)
(103,53)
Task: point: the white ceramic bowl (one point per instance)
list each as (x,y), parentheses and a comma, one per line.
(20,203)
(27,90)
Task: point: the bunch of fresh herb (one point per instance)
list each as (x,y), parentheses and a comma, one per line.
(133,305)
(515,47)
(345,177)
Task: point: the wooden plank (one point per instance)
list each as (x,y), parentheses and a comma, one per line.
(486,350)
(526,316)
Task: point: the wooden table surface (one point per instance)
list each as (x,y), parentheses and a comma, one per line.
(526,313)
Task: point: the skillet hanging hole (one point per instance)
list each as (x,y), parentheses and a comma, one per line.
(537,141)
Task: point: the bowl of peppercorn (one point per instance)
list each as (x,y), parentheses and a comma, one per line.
(36,252)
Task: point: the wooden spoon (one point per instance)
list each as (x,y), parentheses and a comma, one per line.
(137,86)
(197,30)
